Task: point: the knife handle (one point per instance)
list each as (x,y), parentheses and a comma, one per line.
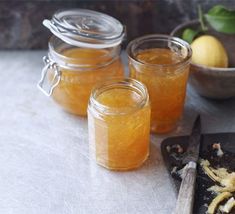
(184,204)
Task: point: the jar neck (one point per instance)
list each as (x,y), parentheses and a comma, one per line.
(84,58)
(159,41)
(119,83)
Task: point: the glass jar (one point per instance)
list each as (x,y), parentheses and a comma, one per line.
(85,49)
(119,124)
(162,64)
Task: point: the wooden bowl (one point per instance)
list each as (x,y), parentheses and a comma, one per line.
(211,82)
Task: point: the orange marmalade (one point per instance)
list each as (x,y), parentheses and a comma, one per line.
(119,124)
(74,88)
(84,49)
(162,64)
(166,91)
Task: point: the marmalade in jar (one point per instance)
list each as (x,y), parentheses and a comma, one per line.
(74,88)
(84,49)
(164,71)
(167,92)
(119,125)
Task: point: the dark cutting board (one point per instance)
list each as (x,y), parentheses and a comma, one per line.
(202,196)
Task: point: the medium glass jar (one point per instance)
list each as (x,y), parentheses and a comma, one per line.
(162,64)
(85,49)
(119,124)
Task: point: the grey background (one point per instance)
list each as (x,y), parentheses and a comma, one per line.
(21,20)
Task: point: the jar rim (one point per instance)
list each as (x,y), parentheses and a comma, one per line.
(125,83)
(162,38)
(62,60)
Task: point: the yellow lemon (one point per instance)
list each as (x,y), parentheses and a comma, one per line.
(209,51)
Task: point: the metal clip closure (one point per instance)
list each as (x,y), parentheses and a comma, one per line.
(49,65)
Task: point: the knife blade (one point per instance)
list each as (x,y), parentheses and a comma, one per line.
(192,152)
(184,204)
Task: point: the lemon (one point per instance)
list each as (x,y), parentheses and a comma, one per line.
(209,51)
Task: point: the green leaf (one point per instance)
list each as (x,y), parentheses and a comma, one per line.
(189,35)
(221,19)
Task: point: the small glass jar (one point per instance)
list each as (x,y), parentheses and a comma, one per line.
(85,49)
(162,63)
(119,124)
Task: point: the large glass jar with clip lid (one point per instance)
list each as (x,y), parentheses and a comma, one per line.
(84,49)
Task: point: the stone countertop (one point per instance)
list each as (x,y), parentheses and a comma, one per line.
(44,161)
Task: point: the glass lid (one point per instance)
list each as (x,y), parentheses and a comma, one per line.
(86,28)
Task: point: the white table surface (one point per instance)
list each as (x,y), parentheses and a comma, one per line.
(44,160)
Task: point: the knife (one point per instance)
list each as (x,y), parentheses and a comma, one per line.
(184,204)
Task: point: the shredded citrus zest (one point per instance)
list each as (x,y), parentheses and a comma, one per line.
(215,202)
